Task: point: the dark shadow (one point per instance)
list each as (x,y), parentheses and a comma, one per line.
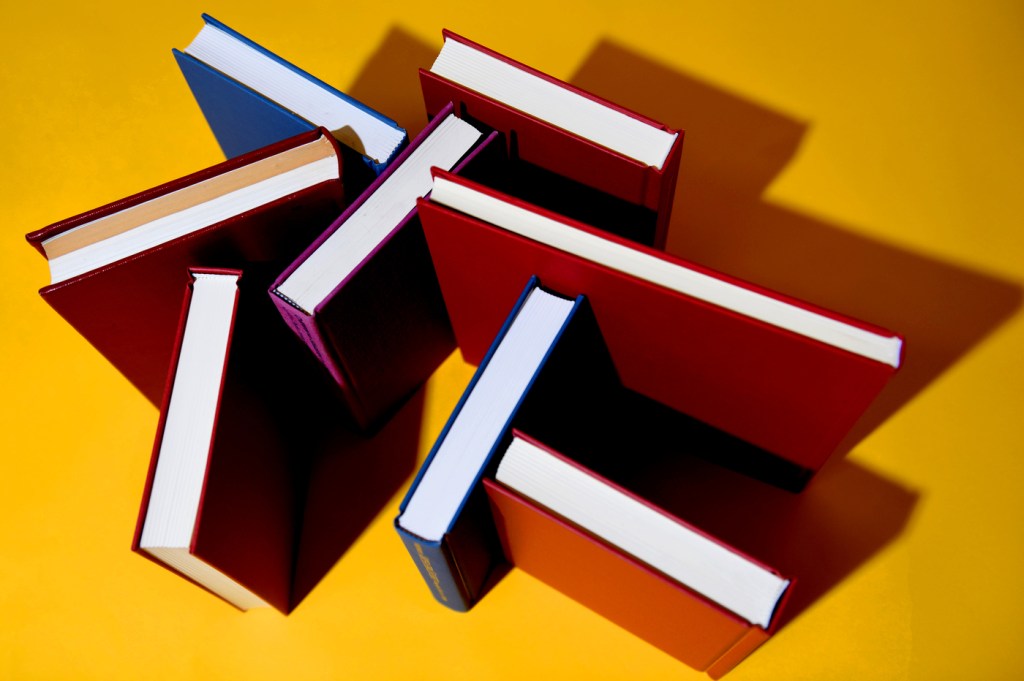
(353,475)
(338,477)
(389,81)
(733,149)
(351,479)
(816,538)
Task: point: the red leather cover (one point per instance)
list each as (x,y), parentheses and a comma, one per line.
(790,395)
(559,150)
(618,587)
(129,310)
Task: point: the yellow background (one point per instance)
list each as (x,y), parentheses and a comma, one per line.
(865,156)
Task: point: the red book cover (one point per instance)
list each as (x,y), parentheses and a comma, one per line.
(558,150)
(789,394)
(246,520)
(128,309)
(288,485)
(642,601)
(614,584)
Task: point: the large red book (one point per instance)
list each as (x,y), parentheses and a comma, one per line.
(700,600)
(255,486)
(558,127)
(780,374)
(363,296)
(117,271)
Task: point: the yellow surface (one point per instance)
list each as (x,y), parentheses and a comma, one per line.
(866,157)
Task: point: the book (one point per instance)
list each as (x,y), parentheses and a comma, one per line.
(697,598)
(363,296)
(218,506)
(560,128)
(251,98)
(780,374)
(542,361)
(255,486)
(117,271)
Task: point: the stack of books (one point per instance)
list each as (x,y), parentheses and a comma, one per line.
(331,264)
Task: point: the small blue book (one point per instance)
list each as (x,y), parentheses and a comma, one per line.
(251,98)
(545,373)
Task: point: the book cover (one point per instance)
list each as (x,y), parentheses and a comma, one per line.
(247,509)
(244,119)
(790,394)
(383,329)
(615,585)
(128,308)
(559,150)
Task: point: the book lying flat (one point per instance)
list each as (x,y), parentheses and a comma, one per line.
(255,486)
(544,351)
(363,296)
(699,599)
(778,373)
(251,98)
(558,127)
(117,271)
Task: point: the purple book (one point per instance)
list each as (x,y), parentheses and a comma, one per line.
(364,296)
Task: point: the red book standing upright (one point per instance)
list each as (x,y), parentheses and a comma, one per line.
(670,614)
(256,484)
(778,373)
(221,502)
(560,128)
(117,271)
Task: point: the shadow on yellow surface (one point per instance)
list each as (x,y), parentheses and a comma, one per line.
(734,148)
(390,82)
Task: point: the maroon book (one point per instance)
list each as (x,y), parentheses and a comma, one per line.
(256,487)
(244,501)
(562,151)
(127,307)
(382,330)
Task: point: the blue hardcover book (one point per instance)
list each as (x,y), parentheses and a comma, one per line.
(251,98)
(536,376)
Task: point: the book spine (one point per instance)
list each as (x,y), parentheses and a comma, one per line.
(750,641)
(663,188)
(438,569)
(379,167)
(306,328)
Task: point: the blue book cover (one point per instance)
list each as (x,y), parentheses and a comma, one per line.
(460,567)
(243,119)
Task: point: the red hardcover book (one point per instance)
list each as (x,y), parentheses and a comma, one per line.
(220,504)
(622,588)
(775,372)
(617,587)
(117,271)
(255,486)
(579,151)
